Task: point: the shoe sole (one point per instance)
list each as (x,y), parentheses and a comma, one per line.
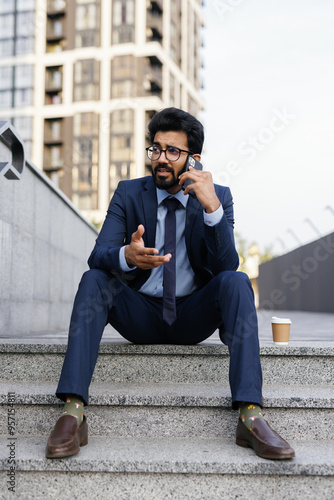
(69,453)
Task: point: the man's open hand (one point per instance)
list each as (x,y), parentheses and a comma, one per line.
(136,254)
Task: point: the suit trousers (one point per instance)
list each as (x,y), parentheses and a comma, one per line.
(226,302)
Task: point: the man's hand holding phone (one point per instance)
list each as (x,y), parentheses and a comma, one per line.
(198,183)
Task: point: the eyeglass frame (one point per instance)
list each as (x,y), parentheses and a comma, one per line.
(165,151)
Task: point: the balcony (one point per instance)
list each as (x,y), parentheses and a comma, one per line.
(152,75)
(156,6)
(55,30)
(56,8)
(54,80)
(53,158)
(53,132)
(153,27)
(153,35)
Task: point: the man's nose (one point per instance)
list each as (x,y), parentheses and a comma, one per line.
(163,157)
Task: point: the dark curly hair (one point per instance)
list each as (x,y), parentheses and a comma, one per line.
(178,120)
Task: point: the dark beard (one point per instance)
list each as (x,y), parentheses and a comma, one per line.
(163,183)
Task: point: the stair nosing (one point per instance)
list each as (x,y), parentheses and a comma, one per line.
(267,348)
(173,455)
(170,394)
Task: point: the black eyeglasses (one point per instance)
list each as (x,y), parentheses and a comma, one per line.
(172,153)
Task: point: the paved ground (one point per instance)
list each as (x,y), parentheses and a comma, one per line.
(305,326)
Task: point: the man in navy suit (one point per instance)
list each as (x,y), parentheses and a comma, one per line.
(125,284)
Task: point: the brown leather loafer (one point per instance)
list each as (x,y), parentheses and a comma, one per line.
(264,440)
(67,437)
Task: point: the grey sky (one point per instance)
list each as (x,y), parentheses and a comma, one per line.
(269,95)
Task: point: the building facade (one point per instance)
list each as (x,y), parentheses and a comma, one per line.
(80,79)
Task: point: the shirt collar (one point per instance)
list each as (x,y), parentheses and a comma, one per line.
(162,194)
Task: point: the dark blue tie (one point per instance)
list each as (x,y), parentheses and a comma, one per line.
(169,277)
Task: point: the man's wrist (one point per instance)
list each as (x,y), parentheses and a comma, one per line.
(122,261)
(212,218)
(213,207)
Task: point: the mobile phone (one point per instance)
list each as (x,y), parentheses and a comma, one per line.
(191,162)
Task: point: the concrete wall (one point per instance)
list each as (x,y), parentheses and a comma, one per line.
(44,246)
(301,280)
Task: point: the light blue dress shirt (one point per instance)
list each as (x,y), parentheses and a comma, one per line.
(185,277)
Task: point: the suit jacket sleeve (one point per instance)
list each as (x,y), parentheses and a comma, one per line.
(222,254)
(112,236)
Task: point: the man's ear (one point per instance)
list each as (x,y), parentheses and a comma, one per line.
(197,157)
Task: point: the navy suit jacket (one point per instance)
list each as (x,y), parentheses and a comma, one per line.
(210,249)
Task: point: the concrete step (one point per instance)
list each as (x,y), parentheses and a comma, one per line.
(299,363)
(168,468)
(181,410)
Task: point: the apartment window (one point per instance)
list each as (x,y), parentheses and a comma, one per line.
(56,160)
(123,88)
(25,4)
(118,172)
(6,6)
(85,124)
(6,77)
(124,11)
(85,150)
(24,75)
(6,99)
(53,158)
(121,148)
(122,120)
(87,23)
(54,150)
(123,21)
(17,27)
(192,106)
(85,161)
(123,67)
(24,126)
(123,72)
(25,45)
(55,27)
(172,29)
(23,97)
(86,39)
(54,76)
(53,85)
(7,26)
(25,23)
(17,81)
(6,47)
(86,80)
(86,17)
(53,130)
(171,90)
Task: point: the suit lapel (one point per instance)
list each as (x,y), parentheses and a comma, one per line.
(149,198)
